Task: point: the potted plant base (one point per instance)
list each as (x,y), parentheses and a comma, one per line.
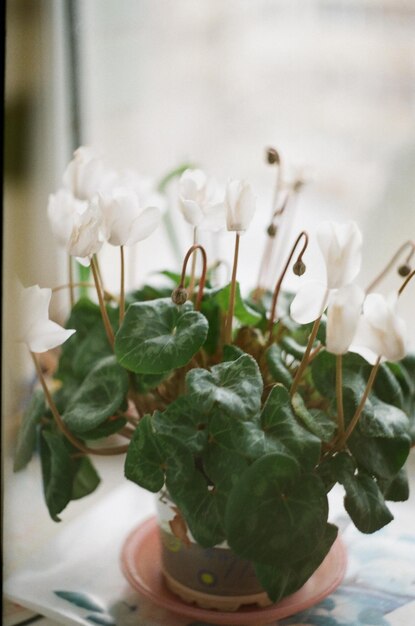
(143,566)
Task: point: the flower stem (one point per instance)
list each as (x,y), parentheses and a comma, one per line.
(229,319)
(339,393)
(107,295)
(202,281)
(71,282)
(61,425)
(391,263)
(281,278)
(360,408)
(305,359)
(122,286)
(104,313)
(193,269)
(405,282)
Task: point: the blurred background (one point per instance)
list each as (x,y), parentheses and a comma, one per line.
(150,84)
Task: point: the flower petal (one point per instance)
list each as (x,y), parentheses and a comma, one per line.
(46,335)
(144,225)
(343,316)
(214,217)
(340,245)
(309,302)
(192,212)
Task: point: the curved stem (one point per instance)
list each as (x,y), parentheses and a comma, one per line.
(105,318)
(61,425)
(305,359)
(339,393)
(360,408)
(281,278)
(405,282)
(193,269)
(71,282)
(202,280)
(122,286)
(229,319)
(391,263)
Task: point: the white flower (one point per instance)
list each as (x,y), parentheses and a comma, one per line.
(198,203)
(340,245)
(86,237)
(124,222)
(380,332)
(62,209)
(37,331)
(144,187)
(343,314)
(85,174)
(240,205)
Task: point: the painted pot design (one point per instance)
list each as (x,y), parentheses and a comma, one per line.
(211,577)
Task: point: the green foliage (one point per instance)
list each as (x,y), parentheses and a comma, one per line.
(277,368)
(159,336)
(57,472)
(243,312)
(26,440)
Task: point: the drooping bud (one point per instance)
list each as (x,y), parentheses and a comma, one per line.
(404,270)
(299,268)
(273,156)
(179,295)
(272,230)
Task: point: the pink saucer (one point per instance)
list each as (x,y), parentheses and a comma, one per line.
(141,565)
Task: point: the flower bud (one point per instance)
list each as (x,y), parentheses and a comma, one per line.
(299,268)
(273,156)
(272,230)
(179,295)
(404,270)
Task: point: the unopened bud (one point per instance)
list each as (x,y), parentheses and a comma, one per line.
(404,270)
(179,295)
(299,268)
(272,230)
(273,156)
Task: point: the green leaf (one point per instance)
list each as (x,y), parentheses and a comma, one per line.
(387,388)
(277,368)
(384,421)
(83,600)
(244,438)
(263,505)
(282,580)
(243,313)
(101,394)
(86,479)
(336,469)
(145,382)
(144,459)
(365,504)
(159,336)
(379,456)
(278,421)
(233,386)
(231,353)
(56,472)
(316,421)
(26,439)
(212,311)
(397,489)
(183,420)
(291,346)
(107,428)
(198,503)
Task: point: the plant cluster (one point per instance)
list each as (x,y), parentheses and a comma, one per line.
(247,410)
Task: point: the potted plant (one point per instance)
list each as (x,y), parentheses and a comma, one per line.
(242,413)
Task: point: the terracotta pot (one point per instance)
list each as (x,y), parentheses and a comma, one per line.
(213,578)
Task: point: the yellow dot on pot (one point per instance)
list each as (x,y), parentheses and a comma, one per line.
(207,578)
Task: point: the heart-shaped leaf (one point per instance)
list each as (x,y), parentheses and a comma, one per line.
(159,336)
(100,395)
(277,368)
(316,421)
(233,386)
(57,472)
(86,479)
(365,504)
(183,420)
(263,505)
(144,459)
(242,311)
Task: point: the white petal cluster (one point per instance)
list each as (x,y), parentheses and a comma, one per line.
(198,201)
(240,203)
(37,331)
(380,332)
(369,326)
(98,204)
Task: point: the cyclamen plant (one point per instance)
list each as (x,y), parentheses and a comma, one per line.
(246,410)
